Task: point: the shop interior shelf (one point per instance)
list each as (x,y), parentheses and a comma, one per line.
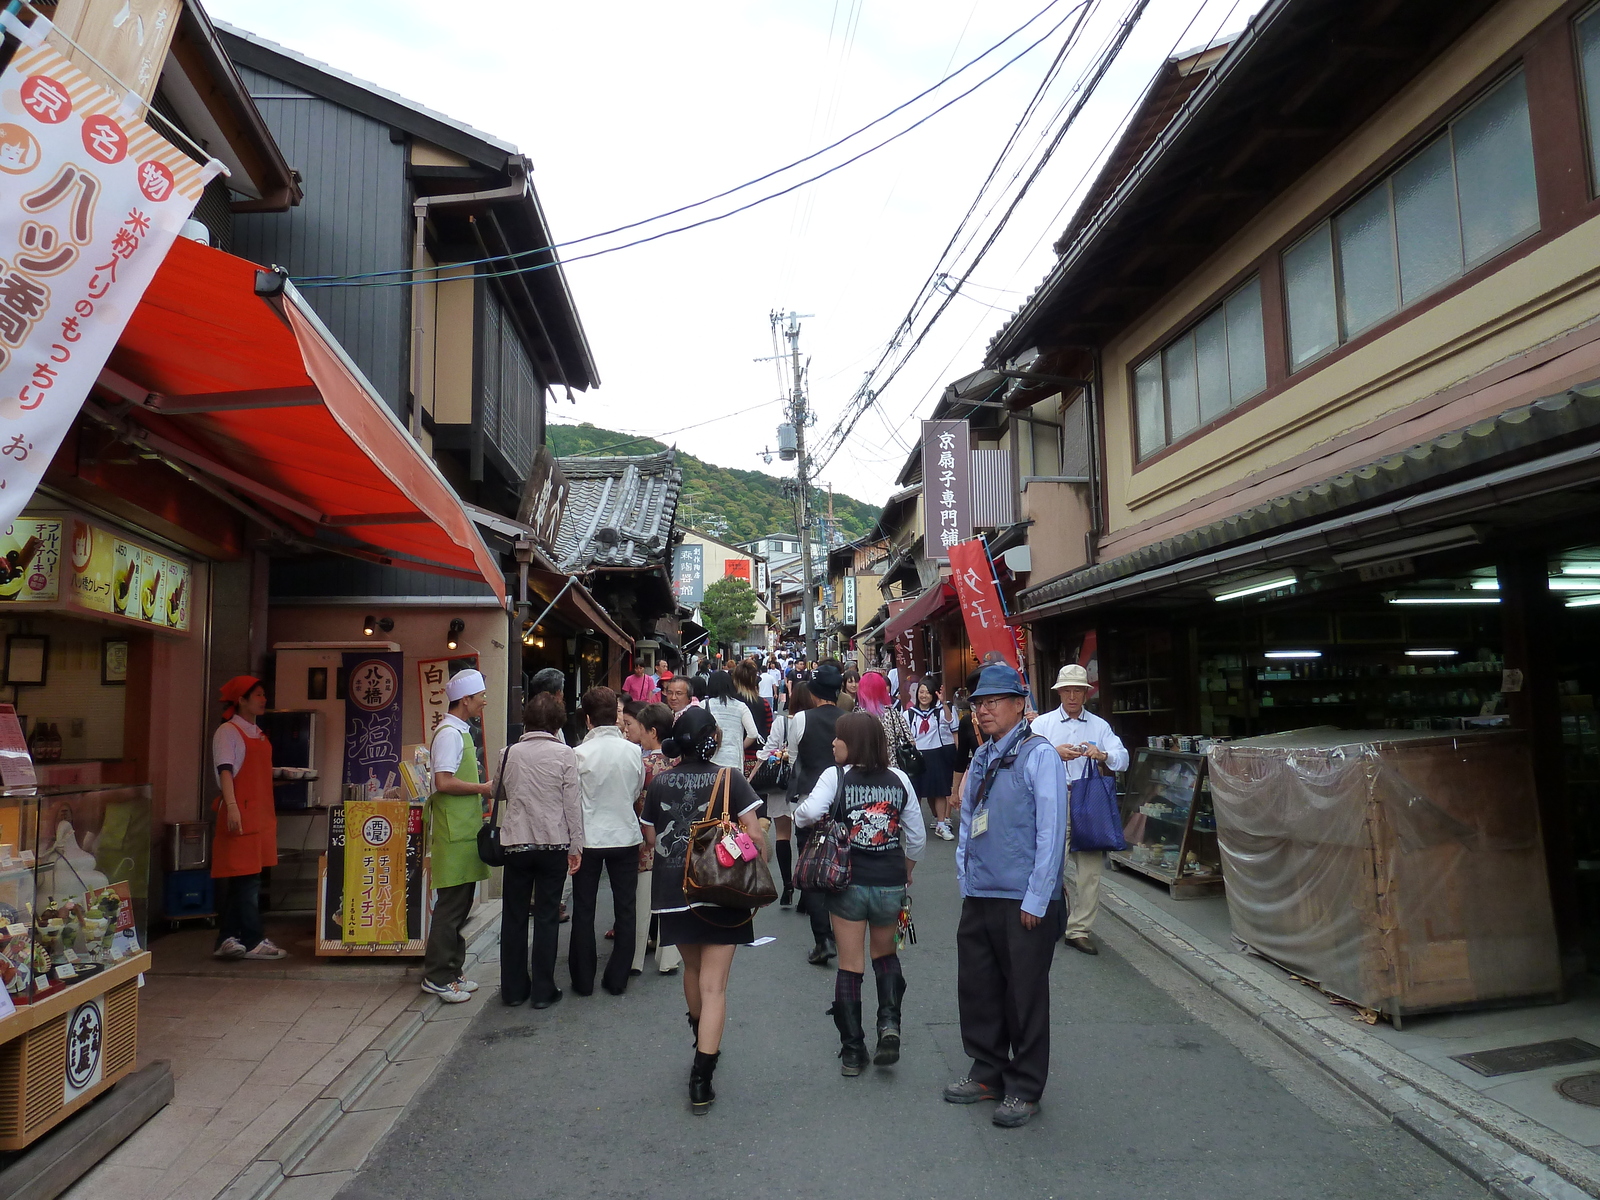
(1131,682)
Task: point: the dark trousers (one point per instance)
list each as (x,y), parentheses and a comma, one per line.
(446,953)
(239,909)
(539,876)
(621,863)
(816,903)
(1003,988)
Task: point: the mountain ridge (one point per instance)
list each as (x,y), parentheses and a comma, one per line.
(726,502)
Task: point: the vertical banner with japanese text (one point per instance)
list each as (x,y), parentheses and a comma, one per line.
(91,202)
(372,708)
(946,486)
(981,606)
(433,675)
(689,574)
(375,871)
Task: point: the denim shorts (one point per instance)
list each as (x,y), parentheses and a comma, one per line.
(874,905)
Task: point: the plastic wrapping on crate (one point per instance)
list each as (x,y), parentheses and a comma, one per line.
(1401,870)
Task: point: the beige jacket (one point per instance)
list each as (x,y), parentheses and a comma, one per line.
(542,804)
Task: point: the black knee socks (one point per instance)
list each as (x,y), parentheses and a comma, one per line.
(847,986)
(786,861)
(889,964)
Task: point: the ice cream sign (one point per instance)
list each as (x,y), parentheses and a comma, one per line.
(69,561)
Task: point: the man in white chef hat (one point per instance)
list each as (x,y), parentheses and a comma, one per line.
(455,814)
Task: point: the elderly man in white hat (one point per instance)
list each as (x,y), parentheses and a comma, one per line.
(455,814)
(1083,741)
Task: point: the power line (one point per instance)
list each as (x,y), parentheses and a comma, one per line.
(326,280)
(656,437)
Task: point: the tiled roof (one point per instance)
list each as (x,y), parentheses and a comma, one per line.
(619,511)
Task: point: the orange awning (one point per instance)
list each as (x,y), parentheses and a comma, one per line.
(934,602)
(253,393)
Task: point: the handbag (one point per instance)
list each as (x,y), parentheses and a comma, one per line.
(906,755)
(773,774)
(1095,818)
(490,850)
(745,883)
(824,864)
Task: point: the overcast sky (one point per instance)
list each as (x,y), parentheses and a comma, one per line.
(629,109)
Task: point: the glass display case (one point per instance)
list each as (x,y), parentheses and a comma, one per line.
(74,884)
(1169,824)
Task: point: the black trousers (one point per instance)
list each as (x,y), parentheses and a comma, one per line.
(446,952)
(1003,989)
(538,875)
(816,903)
(621,864)
(239,909)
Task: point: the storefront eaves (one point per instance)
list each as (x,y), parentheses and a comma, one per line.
(1391,485)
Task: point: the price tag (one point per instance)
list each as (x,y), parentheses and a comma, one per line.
(16,930)
(71,956)
(66,971)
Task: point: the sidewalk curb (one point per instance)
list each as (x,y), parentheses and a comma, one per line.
(316,1125)
(1508,1153)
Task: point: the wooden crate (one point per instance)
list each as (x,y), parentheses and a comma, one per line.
(35,1091)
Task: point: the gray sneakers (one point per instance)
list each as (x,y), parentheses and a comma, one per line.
(1013,1112)
(969,1091)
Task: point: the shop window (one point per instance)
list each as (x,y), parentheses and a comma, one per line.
(1465,197)
(1197,377)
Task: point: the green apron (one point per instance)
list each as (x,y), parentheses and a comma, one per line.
(454,822)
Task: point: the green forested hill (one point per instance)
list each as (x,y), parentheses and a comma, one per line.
(731,504)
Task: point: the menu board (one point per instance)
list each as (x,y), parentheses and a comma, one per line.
(104,572)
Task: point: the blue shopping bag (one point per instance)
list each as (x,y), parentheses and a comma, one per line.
(1096,819)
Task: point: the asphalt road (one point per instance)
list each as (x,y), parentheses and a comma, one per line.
(1159,1089)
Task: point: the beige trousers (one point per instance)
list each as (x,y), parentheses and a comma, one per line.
(1083,889)
(667,957)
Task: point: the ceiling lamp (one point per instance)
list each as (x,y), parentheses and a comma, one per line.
(1254,586)
(1584,601)
(1423,543)
(1441,598)
(1294,654)
(1432,653)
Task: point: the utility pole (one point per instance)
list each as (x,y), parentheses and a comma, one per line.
(800,417)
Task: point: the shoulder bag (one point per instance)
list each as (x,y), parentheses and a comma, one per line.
(489,848)
(747,883)
(906,755)
(772,774)
(824,864)
(1094,818)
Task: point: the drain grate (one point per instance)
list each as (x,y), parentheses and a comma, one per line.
(1585,1089)
(1509,1060)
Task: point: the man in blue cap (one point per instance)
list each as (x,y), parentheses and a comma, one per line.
(1008,866)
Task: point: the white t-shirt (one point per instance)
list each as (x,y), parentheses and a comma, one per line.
(227,744)
(449,744)
(771,680)
(734,719)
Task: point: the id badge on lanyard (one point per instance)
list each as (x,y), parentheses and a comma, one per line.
(980,822)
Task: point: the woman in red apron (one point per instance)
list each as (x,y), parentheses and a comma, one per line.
(246,836)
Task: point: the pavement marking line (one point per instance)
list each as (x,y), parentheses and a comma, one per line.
(1505,1151)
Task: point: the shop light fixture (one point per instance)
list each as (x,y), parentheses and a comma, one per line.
(1294,654)
(1580,569)
(1441,598)
(1422,543)
(1432,653)
(1251,587)
(457,628)
(1486,585)
(1562,584)
(1584,601)
(372,624)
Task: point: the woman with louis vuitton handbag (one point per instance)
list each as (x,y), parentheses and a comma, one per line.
(705,933)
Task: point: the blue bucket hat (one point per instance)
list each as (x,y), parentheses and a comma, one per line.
(999,679)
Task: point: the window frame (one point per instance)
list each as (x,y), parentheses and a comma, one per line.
(1217,305)
(1590,136)
(1327,226)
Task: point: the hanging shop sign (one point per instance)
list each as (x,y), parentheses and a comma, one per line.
(689,574)
(92,202)
(544,499)
(849,588)
(375,871)
(432,676)
(946,486)
(981,607)
(372,707)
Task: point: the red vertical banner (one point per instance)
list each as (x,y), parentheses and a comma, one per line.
(981,607)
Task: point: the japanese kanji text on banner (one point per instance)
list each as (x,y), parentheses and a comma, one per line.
(981,606)
(91,201)
(375,871)
(946,486)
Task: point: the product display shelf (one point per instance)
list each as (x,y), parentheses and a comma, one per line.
(1168,822)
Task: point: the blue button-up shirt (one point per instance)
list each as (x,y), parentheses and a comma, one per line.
(1019,857)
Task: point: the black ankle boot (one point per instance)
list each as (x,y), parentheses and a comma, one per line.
(700,1093)
(820,953)
(852,1038)
(891,989)
(694,1029)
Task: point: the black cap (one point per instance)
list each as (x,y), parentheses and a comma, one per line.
(827,681)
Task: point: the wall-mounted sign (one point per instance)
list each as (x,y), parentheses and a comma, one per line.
(433,674)
(946,486)
(544,498)
(372,707)
(738,568)
(849,599)
(689,574)
(64,560)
